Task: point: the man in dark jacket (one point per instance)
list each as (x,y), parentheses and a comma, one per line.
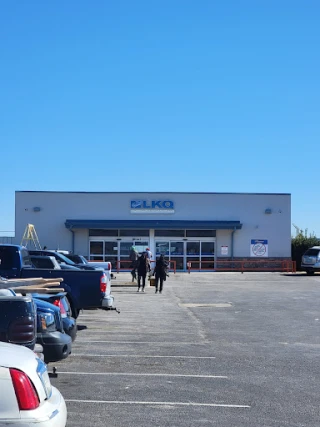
(143,269)
(134,255)
(160,272)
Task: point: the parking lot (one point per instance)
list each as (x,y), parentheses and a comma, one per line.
(224,349)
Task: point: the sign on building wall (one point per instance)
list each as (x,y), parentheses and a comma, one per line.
(259,248)
(224,250)
(152,207)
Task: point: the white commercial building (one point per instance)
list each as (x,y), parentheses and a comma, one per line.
(201,228)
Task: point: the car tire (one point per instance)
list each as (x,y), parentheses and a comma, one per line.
(310,273)
(74,311)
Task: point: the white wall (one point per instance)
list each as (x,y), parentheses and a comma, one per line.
(57,207)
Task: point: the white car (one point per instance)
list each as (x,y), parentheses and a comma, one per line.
(27,398)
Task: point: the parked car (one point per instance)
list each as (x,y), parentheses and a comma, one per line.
(311,260)
(85,289)
(80,259)
(60,300)
(18,319)
(27,398)
(50,333)
(62,259)
(44,261)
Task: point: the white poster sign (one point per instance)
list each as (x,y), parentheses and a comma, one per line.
(224,250)
(259,248)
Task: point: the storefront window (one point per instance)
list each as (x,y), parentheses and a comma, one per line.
(207,248)
(134,233)
(207,263)
(162,248)
(102,232)
(195,262)
(193,248)
(201,233)
(96,251)
(178,261)
(169,233)
(111,248)
(176,248)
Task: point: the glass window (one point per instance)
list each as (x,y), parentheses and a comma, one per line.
(207,248)
(96,248)
(162,248)
(193,248)
(207,263)
(102,232)
(7,258)
(125,248)
(312,252)
(134,233)
(176,248)
(25,257)
(169,233)
(141,246)
(201,233)
(111,248)
(96,257)
(195,263)
(179,262)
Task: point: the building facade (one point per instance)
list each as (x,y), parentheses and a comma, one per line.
(196,228)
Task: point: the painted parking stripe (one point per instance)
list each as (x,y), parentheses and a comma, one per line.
(130,402)
(140,342)
(130,374)
(141,355)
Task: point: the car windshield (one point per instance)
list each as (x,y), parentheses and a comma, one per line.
(312,252)
(65,259)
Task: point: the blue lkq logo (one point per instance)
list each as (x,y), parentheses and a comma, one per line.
(152,206)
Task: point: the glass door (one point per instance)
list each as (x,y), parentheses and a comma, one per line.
(124,251)
(193,254)
(96,251)
(177,252)
(207,255)
(111,253)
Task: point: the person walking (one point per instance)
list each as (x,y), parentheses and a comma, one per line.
(134,255)
(160,272)
(149,254)
(143,269)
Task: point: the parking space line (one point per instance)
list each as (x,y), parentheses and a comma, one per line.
(142,342)
(131,374)
(130,402)
(142,355)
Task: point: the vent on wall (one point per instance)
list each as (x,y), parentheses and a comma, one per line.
(268,211)
(36,209)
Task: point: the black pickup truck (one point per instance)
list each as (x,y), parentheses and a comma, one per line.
(85,288)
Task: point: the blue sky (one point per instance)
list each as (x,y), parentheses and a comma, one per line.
(170,95)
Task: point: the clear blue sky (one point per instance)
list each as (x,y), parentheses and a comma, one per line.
(170,95)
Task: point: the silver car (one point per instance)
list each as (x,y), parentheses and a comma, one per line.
(311,260)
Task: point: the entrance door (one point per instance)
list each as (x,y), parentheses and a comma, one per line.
(124,251)
(173,251)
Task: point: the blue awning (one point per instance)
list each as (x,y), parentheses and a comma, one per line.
(149,223)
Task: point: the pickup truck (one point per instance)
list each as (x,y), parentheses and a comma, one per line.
(85,288)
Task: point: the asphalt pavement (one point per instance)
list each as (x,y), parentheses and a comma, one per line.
(214,349)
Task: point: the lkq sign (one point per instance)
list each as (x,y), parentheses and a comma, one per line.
(152,207)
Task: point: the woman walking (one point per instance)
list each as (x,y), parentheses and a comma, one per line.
(160,272)
(143,269)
